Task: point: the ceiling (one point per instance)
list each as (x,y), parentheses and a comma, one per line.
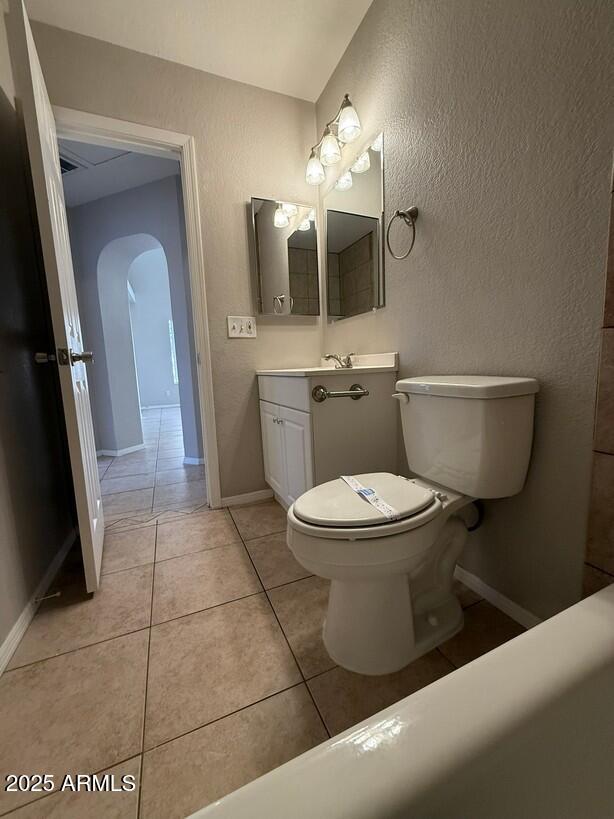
(103,171)
(290,46)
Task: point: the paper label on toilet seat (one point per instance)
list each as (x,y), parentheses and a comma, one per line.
(371,496)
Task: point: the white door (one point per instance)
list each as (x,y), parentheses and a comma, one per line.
(298,452)
(272,448)
(49,197)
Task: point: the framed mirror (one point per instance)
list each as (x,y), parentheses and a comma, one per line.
(286,258)
(353,209)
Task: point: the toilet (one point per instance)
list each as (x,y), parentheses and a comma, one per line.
(391,599)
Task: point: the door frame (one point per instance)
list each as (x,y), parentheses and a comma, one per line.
(109,132)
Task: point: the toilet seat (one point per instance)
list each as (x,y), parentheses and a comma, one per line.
(333,510)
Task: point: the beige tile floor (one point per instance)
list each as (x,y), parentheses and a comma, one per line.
(153,479)
(196,667)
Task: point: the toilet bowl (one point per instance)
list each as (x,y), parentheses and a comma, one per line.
(375,623)
(391,598)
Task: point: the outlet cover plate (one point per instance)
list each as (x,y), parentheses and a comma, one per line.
(241,327)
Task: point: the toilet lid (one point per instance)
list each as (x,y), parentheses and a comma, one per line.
(335,504)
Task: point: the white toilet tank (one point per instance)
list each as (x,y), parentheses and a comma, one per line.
(470,433)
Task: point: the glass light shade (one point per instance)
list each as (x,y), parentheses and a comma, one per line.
(330,152)
(378,143)
(314,175)
(280,219)
(312,215)
(305,225)
(289,209)
(344,183)
(349,124)
(362,164)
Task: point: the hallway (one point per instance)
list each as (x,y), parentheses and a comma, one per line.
(154,479)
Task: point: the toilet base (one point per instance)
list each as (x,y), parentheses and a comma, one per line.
(381,635)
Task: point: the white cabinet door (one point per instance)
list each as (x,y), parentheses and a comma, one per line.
(272,448)
(298,452)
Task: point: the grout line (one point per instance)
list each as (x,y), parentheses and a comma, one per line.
(222,717)
(475,602)
(198,551)
(72,650)
(599,569)
(447,659)
(315,705)
(207,608)
(153,581)
(289,582)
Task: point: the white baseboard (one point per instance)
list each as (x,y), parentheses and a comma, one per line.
(247,497)
(498,600)
(13,638)
(160,406)
(193,461)
(115,453)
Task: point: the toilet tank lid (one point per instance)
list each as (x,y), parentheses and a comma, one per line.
(469,386)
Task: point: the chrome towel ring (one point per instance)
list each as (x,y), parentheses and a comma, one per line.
(409,216)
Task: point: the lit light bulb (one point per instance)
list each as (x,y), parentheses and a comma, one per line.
(312,215)
(305,225)
(362,164)
(378,143)
(330,152)
(314,174)
(280,219)
(344,183)
(349,124)
(289,209)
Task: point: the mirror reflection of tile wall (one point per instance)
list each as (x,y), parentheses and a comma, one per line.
(286,257)
(354,252)
(303,267)
(352,264)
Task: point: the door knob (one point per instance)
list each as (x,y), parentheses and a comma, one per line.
(43,358)
(85,357)
(66,357)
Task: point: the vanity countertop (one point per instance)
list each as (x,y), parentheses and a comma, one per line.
(370,363)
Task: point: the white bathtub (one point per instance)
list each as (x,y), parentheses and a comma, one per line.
(526,731)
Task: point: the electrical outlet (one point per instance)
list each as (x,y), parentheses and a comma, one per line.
(241,327)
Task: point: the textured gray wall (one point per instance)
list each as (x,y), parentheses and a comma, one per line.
(498,124)
(36,505)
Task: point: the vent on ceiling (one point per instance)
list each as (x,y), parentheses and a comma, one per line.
(67,165)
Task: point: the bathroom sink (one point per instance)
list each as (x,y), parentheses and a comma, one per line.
(369,363)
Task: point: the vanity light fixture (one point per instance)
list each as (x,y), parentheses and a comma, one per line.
(289,209)
(330,150)
(362,164)
(349,124)
(305,225)
(280,219)
(344,183)
(343,128)
(378,143)
(312,215)
(314,175)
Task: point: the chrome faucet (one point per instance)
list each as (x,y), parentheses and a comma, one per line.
(342,362)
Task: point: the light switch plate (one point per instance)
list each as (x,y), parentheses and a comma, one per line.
(241,327)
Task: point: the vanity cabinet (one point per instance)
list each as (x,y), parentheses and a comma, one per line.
(305,443)
(287,450)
